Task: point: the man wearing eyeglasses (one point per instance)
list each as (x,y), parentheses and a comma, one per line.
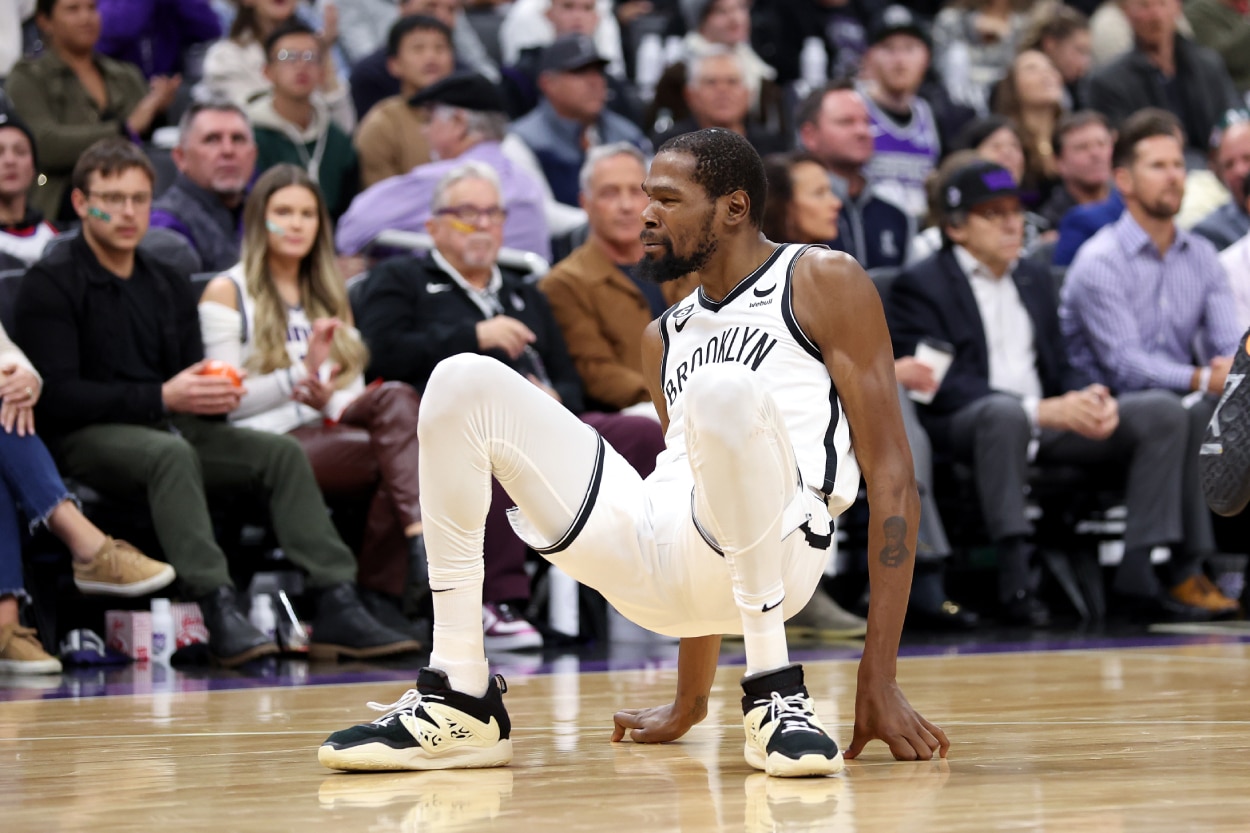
(293,125)
(416,311)
(1011,397)
(129,410)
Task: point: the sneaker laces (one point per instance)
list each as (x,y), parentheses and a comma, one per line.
(794,711)
(409,702)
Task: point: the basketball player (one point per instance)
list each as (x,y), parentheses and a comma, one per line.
(1225,451)
(774,381)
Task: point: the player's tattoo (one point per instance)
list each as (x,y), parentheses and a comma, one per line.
(895,552)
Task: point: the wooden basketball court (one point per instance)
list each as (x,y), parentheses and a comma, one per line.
(1144,739)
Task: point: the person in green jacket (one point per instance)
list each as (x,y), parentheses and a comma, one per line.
(294,126)
(1224,26)
(71,96)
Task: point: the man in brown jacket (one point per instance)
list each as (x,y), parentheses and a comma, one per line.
(598,299)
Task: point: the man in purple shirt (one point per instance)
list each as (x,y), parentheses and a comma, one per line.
(467,123)
(1146,305)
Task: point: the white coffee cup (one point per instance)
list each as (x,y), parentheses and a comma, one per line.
(937,356)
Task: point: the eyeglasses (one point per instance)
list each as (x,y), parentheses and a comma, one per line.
(473,214)
(287,56)
(116,201)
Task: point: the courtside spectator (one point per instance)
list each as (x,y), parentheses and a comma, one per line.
(216,159)
(391,138)
(1230,161)
(1236,262)
(466,124)
(1165,70)
(834,126)
(1143,298)
(292,124)
(571,117)
(717,95)
(234,66)
(130,413)
(1061,33)
(23,231)
(1011,397)
(72,96)
(907,142)
(1031,95)
(1082,145)
(1224,27)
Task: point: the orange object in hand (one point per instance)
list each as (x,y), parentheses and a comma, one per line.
(216,367)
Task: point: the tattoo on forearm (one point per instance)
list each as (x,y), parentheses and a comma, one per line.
(895,552)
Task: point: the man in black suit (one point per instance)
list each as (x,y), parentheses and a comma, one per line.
(1011,397)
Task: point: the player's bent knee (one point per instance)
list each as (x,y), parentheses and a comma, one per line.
(723,401)
(460,381)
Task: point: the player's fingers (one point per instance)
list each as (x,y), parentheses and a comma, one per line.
(622,720)
(944,743)
(858,741)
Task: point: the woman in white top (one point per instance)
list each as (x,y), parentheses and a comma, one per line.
(32,491)
(282,314)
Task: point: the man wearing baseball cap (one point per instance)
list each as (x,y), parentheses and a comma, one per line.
(1011,397)
(906,139)
(466,123)
(23,231)
(571,117)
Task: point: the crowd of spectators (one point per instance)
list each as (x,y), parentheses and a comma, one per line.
(334,196)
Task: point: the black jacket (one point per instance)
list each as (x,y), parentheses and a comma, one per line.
(68,309)
(412,316)
(1131,82)
(933,298)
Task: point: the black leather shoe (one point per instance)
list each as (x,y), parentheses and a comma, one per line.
(232,640)
(345,628)
(417,595)
(386,610)
(948,616)
(1024,609)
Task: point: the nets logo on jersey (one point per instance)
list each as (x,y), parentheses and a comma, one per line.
(744,345)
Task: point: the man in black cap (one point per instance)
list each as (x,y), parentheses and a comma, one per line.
(571,118)
(466,123)
(23,230)
(906,139)
(1011,397)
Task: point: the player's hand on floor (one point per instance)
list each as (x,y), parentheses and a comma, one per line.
(657,724)
(883,713)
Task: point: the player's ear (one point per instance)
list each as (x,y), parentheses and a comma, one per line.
(737,207)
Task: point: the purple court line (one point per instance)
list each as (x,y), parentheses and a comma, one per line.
(142,679)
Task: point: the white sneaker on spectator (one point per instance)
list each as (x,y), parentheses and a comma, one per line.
(504,629)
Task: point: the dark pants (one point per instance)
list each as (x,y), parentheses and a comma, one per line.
(29,488)
(373,450)
(174,469)
(993,433)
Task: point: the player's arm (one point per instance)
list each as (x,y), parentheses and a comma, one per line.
(697,656)
(837,306)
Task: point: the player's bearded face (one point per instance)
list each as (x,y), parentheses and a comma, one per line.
(668,265)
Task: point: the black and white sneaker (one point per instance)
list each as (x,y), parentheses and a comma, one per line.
(1224,459)
(431,727)
(784,736)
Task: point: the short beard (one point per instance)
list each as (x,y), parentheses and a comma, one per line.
(1160,209)
(669,267)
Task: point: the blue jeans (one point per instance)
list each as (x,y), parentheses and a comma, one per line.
(29,483)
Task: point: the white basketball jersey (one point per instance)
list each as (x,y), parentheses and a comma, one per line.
(755,326)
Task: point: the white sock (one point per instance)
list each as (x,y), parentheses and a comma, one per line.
(458,649)
(764,637)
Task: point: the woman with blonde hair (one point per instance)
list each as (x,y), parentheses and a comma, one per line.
(283,315)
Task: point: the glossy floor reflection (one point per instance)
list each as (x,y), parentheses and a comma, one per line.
(1125,740)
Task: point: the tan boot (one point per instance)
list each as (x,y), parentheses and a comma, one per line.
(119,569)
(22,653)
(823,619)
